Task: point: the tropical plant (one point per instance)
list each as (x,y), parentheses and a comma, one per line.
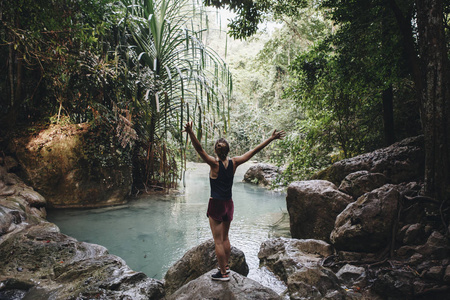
(190,81)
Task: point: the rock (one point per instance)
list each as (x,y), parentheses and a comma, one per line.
(413,234)
(366,225)
(349,273)
(57,265)
(314,283)
(447,274)
(436,247)
(10,163)
(313,206)
(262,174)
(435,273)
(239,287)
(199,260)
(75,166)
(298,264)
(403,161)
(358,183)
(5,220)
(394,284)
(33,198)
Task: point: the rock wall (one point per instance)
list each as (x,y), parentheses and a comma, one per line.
(74,165)
(388,240)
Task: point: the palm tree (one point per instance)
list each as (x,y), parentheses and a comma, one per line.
(191,82)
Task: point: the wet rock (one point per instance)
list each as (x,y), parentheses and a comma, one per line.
(67,269)
(366,225)
(361,182)
(239,287)
(199,260)
(313,206)
(262,174)
(400,162)
(33,198)
(5,220)
(349,273)
(297,263)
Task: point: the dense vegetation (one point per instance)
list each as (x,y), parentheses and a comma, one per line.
(342,77)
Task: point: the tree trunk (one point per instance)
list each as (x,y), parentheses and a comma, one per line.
(388,116)
(434,112)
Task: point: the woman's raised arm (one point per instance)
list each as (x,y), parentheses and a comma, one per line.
(239,160)
(197,146)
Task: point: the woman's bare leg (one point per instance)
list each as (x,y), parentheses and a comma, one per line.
(217,229)
(226,241)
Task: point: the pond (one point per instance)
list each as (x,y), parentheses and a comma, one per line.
(152,232)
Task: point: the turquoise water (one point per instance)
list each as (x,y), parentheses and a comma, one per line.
(153,232)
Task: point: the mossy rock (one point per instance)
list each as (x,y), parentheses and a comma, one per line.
(75,165)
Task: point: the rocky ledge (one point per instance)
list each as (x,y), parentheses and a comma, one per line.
(37,261)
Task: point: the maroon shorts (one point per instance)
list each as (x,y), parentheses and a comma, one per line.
(220,210)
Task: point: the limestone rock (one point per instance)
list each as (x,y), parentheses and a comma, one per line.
(361,182)
(261,174)
(366,225)
(350,273)
(297,263)
(48,264)
(403,161)
(199,260)
(239,287)
(75,166)
(313,206)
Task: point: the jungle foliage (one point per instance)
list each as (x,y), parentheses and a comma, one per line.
(138,67)
(380,74)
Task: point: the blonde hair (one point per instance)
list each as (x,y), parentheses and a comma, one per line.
(222,148)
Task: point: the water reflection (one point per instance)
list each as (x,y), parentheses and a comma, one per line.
(152,233)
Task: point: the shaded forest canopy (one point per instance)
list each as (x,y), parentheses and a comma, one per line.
(342,78)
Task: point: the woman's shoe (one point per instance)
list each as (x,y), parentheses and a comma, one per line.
(227,269)
(220,277)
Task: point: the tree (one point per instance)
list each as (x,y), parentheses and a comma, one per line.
(191,81)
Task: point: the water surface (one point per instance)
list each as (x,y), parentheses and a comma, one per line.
(153,232)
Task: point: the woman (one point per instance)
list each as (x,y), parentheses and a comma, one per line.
(220,207)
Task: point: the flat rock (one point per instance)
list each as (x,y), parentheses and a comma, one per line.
(239,287)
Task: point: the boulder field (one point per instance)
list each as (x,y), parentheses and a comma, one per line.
(361,229)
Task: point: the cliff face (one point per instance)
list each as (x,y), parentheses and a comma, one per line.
(74,165)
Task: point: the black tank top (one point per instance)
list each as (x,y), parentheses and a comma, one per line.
(221,186)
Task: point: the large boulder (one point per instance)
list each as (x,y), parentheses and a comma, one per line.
(313,206)
(401,162)
(298,264)
(366,225)
(41,263)
(358,183)
(261,174)
(239,287)
(199,260)
(74,166)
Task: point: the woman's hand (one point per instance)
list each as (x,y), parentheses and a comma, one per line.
(278,135)
(188,127)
